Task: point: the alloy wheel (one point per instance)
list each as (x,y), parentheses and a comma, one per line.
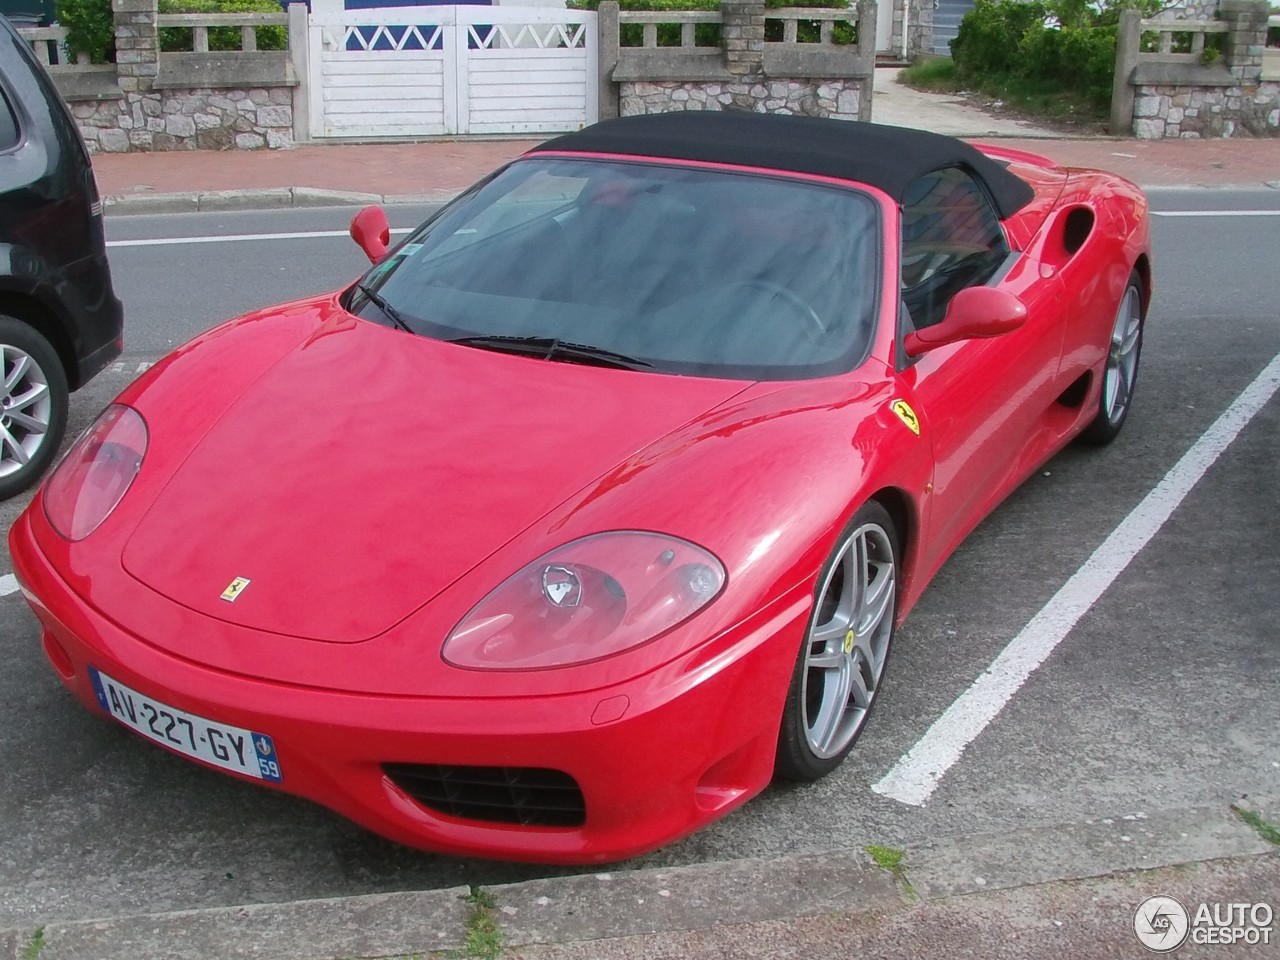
(848,642)
(26,407)
(1122,358)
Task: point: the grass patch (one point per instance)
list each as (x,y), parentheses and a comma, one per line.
(930,73)
(1265,829)
(35,943)
(1042,99)
(483,937)
(886,858)
(1031,99)
(894,860)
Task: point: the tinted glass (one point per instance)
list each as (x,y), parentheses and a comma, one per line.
(689,270)
(9,134)
(951,239)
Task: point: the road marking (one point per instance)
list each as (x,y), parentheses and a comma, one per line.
(239,238)
(916,775)
(143,367)
(8,584)
(1215,213)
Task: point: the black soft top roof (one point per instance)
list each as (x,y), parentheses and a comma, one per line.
(890,158)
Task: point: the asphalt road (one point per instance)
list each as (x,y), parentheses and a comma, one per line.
(1162,695)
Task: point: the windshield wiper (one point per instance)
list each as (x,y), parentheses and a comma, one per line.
(391,312)
(550,348)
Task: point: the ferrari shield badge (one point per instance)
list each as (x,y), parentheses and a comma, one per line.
(234,589)
(906,415)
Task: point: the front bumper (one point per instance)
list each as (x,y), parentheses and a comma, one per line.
(656,757)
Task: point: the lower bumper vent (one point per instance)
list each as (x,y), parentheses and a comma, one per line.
(528,796)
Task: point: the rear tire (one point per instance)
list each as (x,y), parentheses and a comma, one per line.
(840,667)
(1120,375)
(33,406)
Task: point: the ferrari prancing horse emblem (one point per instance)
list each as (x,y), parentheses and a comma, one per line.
(234,589)
(906,415)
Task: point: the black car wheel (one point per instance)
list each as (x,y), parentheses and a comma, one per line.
(841,662)
(33,406)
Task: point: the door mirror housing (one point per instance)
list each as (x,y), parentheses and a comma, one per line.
(371,232)
(974,312)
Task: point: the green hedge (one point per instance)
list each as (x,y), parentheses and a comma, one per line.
(1063,44)
(90,28)
(175,39)
(632,34)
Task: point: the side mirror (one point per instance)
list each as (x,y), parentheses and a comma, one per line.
(973,313)
(371,232)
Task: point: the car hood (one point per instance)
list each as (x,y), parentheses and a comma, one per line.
(368,469)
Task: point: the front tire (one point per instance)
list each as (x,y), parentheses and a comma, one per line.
(840,667)
(33,406)
(1120,376)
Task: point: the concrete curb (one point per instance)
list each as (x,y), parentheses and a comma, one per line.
(630,904)
(274,198)
(378,925)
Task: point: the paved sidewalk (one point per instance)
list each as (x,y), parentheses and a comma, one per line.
(436,170)
(1062,892)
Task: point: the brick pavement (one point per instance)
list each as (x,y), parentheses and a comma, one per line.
(444,167)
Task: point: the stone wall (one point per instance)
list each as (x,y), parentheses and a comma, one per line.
(919,24)
(1162,111)
(838,99)
(1189,10)
(816,79)
(198,119)
(1162,95)
(234,100)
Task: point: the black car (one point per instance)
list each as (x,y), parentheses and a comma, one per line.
(60,320)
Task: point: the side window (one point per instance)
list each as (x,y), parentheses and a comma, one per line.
(9,134)
(951,239)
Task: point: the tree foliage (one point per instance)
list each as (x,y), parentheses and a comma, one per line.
(221,38)
(1067,44)
(91,27)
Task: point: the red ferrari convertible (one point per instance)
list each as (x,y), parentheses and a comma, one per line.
(595,503)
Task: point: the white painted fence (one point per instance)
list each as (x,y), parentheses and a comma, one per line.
(422,71)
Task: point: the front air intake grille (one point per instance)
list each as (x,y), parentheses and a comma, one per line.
(528,796)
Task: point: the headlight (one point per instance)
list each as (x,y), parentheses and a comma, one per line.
(589,599)
(96,472)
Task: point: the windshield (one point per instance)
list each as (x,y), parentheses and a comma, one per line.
(675,269)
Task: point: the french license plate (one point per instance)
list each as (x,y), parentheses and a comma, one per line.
(231,748)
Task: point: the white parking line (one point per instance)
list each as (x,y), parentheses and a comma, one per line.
(238,238)
(8,584)
(327,234)
(1215,213)
(917,774)
(143,367)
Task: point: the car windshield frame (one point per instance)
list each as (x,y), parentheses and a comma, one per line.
(666,267)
